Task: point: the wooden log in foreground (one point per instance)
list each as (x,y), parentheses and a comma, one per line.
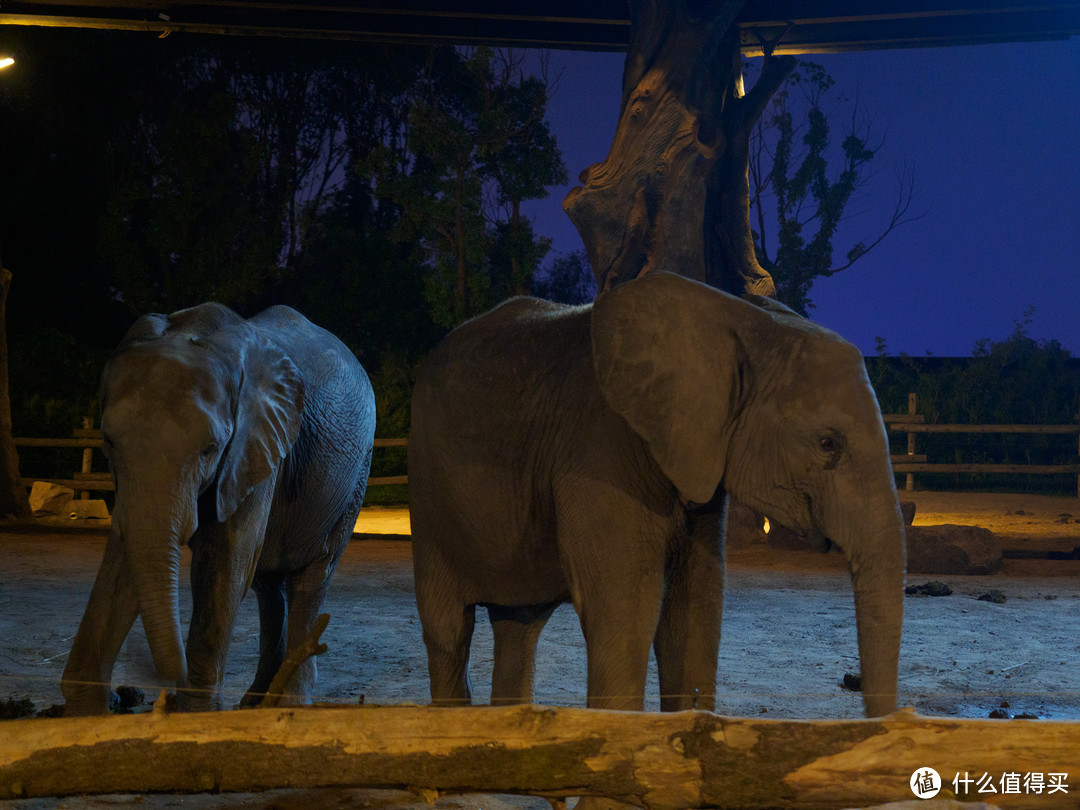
(679,760)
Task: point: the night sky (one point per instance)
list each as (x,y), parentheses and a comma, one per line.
(992,133)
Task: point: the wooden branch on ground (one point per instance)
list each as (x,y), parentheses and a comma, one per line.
(310,647)
(678,760)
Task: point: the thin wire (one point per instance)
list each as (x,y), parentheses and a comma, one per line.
(741,695)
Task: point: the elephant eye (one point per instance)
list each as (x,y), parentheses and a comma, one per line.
(831,444)
(210,450)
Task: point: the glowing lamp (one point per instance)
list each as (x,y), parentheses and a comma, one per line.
(6,61)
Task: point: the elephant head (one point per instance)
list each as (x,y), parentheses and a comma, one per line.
(198,410)
(777,411)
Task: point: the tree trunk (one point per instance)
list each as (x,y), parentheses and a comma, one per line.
(673,193)
(13,501)
(520,287)
(460,288)
(655,760)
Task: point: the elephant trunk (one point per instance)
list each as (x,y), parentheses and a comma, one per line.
(876,563)
(153,553)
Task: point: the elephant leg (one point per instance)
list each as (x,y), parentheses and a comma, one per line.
(224,557)
(617,643)
(110,612)
(306,593)
(219,580)
(447,638)
(270,591)
(516,630)
(614,550)
(447,618)
(688,636)
(618,632)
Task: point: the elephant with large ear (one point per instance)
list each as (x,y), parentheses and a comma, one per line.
(250,440)
(583,454)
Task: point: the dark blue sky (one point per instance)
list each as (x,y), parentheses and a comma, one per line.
(992,133)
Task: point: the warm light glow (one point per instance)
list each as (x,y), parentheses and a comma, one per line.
(6,61)
(766,526)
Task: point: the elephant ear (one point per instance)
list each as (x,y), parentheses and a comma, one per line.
(147,327)
(269,403)
(669,360)
(202,320)
(199,322)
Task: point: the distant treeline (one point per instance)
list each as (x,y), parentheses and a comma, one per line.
(1019,381)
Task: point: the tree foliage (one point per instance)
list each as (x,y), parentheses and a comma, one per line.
(350,182)
(490,143)
(568,279)
(1018,380)
(798,199)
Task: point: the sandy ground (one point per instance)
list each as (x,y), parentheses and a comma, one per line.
(960,657)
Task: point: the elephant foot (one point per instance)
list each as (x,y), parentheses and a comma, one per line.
(195,699)
(86,700)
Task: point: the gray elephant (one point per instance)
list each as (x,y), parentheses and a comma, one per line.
(583,454)
(251,441)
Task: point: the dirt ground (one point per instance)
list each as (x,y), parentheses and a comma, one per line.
(961,656)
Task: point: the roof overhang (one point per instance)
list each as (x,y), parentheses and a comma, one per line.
(599,25)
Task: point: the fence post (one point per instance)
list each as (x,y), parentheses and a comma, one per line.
(911,405)
(87,456)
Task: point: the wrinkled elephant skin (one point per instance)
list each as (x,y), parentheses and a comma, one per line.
(250,440)
(584,454)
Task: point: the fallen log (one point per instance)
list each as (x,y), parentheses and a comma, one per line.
(678,760)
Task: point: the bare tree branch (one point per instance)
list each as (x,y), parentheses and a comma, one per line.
(774,72)
(904,197)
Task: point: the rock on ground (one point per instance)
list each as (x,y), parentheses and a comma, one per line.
(952,549)
(50,499)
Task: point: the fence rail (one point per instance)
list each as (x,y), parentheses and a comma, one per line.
(910,463)
(1044,429)
(913,423)
(86,481)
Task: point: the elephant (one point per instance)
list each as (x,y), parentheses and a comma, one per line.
(585,454)
(251,441)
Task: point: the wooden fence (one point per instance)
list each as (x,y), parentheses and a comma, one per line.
(913,424)
(89,438)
